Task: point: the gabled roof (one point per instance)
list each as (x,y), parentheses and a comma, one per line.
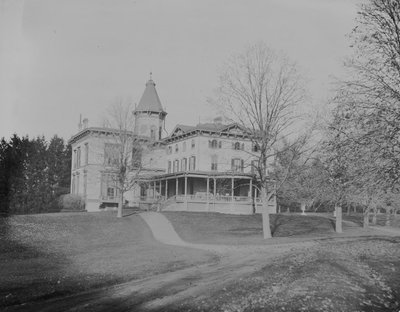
(150,102)
(211,128)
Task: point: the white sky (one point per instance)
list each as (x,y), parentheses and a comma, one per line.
(63,58)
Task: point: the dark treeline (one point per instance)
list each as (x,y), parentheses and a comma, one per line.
(33,174)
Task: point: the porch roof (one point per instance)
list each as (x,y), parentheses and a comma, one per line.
(204,174)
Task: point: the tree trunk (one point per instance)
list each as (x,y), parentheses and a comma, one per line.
(265,213)
(387,219)
(338,219)
(366,218)
(374,216)
(120,202)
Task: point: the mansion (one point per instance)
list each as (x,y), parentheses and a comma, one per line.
(207,167)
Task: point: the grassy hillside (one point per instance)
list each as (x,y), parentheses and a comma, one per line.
(219,228)
(42,256)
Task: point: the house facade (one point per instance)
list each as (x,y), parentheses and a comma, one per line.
(207,167)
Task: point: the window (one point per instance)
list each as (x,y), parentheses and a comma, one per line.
(77,184)
(78,157)
(213,144)
(85,184)
(169,166)
(110,192)
(111,154)
(236,146)
(153,133)
(220,144)
(75,159)
(176,165)
(184,147)
(214,163)
(73,185)
(254,166)
(176,148)
(192,163)
(136,156)
(109,186)
(169,150)
(237,165)
(184,164)
(86,153)
(255,147)
(193,143)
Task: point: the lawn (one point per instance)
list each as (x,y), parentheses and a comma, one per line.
(42,256)
(216,228)
(354,275)
(380,219)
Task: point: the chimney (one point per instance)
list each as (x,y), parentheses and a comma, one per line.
(85,123)
(218,120)
(80,122)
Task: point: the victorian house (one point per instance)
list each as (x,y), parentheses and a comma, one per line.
(207,167)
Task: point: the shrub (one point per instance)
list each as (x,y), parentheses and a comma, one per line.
(71,202)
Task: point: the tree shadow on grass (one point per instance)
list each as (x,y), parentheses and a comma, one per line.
(24,268)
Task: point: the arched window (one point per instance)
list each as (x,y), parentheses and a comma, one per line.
(193,143)
(213,144)
(236,146)
(176,148)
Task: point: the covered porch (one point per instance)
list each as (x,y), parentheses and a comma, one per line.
(234,193)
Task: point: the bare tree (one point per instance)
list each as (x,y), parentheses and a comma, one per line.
(260,90)
(124,154)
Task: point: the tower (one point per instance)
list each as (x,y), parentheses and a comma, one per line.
(149,114)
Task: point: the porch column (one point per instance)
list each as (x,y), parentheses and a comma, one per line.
(208,190)
(233,186)
(154,189)
(185,185)
(176,186)
(251,187)
(186,201)
(166,188)
(160,189)
(215,191)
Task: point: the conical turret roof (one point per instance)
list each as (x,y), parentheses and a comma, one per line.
(150,102)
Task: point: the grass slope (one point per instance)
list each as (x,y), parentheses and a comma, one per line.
(216,228)
(42,256)
(358,275)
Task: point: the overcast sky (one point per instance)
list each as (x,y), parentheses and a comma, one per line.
(63,58)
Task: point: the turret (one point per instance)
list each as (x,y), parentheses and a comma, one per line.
(149,114)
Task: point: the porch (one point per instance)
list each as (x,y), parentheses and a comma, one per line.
(208,191)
